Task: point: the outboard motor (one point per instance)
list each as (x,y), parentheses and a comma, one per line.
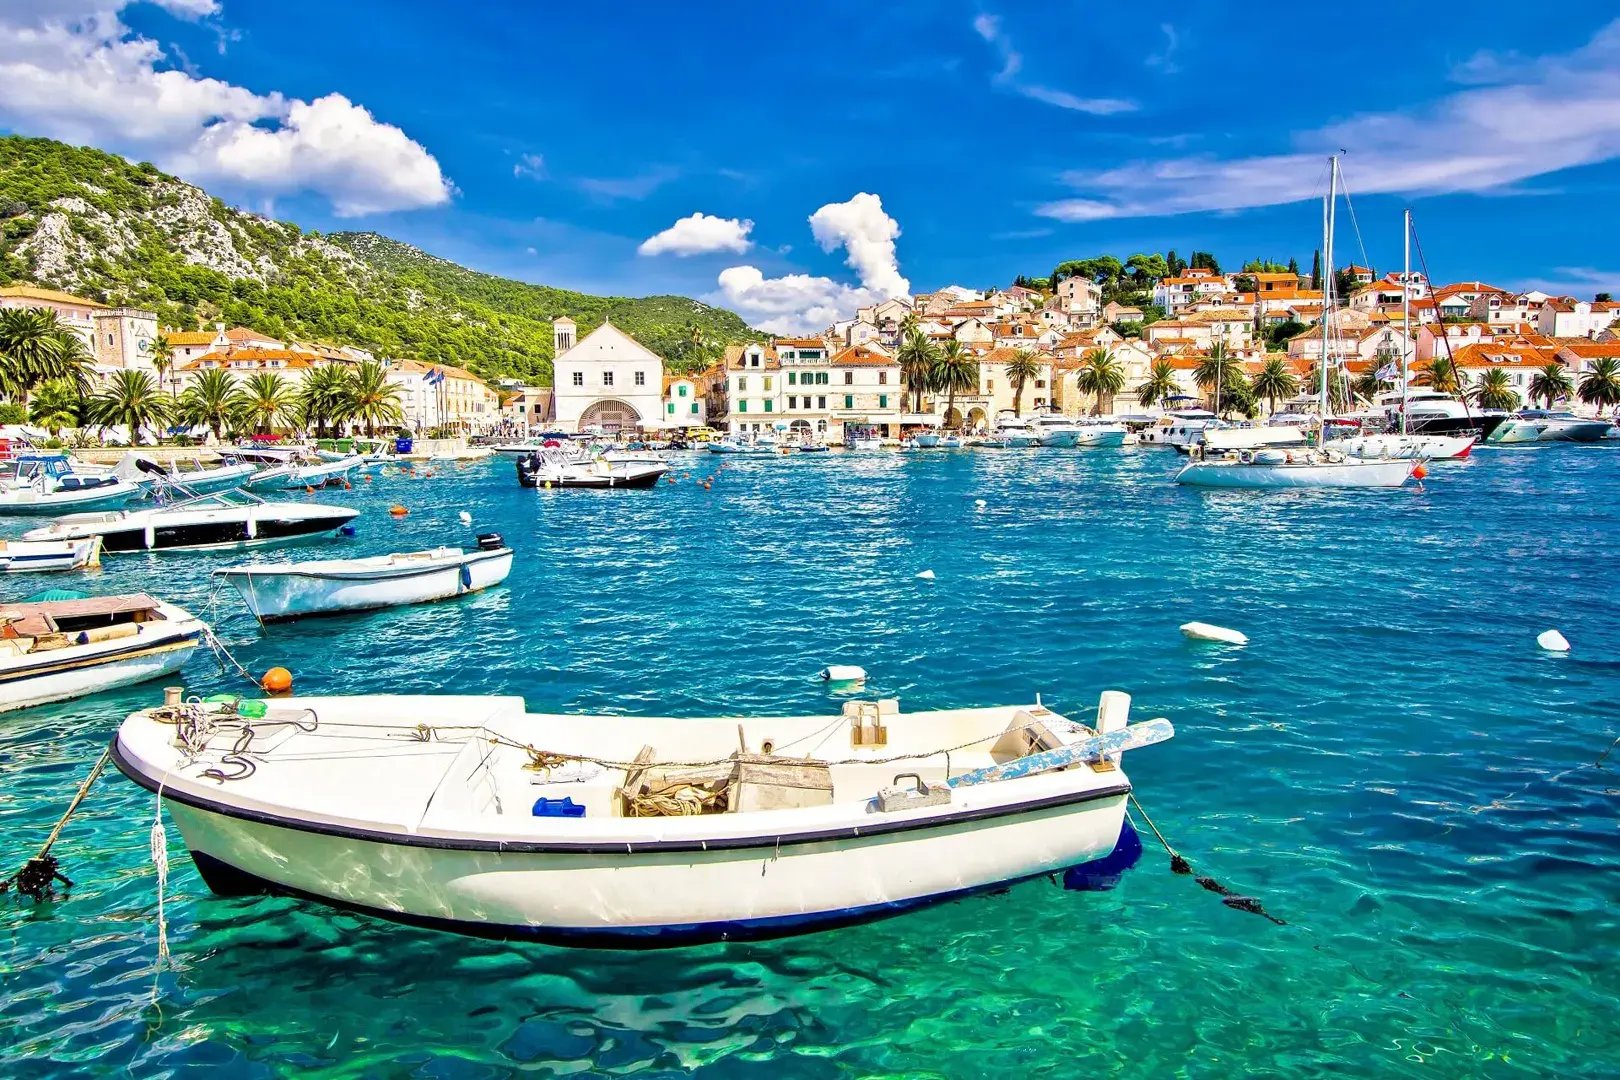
(490,541)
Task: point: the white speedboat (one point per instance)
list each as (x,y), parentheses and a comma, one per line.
(1564,426)
(926,440)
(1180,428)
(1012,433)
(862,437)
(1407,447)
(289,590)
(194,477)
(32,556)
(564,469)
(1049,428)
(68,648)
(1515,430)
(739,444)
(310,473)
(1095,432)
(225,519)
(54,484)
(1272,469)
(624,831)
(952,442)
(525,447)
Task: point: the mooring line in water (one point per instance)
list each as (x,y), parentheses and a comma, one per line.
(1179,865)
(39,875)
(223,657)
(1502,801)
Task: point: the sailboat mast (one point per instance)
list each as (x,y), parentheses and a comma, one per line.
(1327,280)
(1406,305)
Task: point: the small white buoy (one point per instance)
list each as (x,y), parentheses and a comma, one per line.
(843,673)
(1203,631)
(926,575)
(1552,641)
(980,503)
(466,518)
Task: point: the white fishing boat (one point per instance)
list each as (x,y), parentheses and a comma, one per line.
(33,556)
(290,590)
(64,649)
(52,483)
(225,519)
(306,473)
(573,469)
(472,815)
(1099,433)
(1272,468)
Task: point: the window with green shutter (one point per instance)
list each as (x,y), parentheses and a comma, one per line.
(883,401)
(742,406)
(694,406)
(681,390)
(768,404)
(792,377)
(670,408)
(849,401)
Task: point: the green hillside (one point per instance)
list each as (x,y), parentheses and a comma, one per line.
(89,222)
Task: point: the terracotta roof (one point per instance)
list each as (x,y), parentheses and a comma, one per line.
(1500,354)
(734,356)
(189,337)
(34,292)
(450,370)
(1592,350)
(1274,277)
(217,358)
(861,356)
(800,343)
(1477,287)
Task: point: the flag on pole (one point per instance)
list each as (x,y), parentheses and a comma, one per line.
(1387,371)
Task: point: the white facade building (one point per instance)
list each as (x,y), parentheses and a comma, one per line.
(607,380)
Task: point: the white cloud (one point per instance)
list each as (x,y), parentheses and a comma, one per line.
(189,9)
(81,75)
(804,303)
(698,234)
(988,27)
(531,165)
(634,188)
(1553,113)
(1165,58)
(791,304)
(867,234)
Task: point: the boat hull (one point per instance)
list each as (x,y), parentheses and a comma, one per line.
(25,557)
(1062,440)
(1103,439)
(659,896)
(1481,427)
(1393,447)
(282,595)
(58,502)
(1576,431)
(58,676)
(1258,477)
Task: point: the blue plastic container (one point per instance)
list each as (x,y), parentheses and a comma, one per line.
(544,807)
(402,446)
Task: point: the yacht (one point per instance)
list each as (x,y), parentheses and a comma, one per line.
(225,519)
(1012,433)
(1564,426)
(564,469)
(1054,429)
(1179,428)
(1429,412)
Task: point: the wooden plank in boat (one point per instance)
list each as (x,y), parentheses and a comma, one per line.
(767,782)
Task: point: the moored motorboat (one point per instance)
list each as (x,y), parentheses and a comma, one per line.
(197,479)
(53,484)
(64,649)
(1049,428)
(926,440)
(1564,426)
(225,519)
(1099,433)
(556,469)
(1515,430)
(297,475)
(485,819)
(740,444)
(1410,447)
(31,556)
(1273,469)
(290,590)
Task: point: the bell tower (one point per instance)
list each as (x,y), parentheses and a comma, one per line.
(562,335)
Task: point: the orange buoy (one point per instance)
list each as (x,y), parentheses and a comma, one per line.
(347,486)
(1419,471)
(367,478)
(278,680)
(308,490)
(707,485)
(397,510)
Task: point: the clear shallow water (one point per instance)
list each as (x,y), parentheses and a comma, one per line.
(1391,765)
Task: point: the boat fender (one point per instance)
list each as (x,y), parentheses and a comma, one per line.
(843,673)
(278,680)
(348,532)
(1203,631)
(1552,641)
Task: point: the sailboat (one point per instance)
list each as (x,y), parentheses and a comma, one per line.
(1319,467)
(1404,444)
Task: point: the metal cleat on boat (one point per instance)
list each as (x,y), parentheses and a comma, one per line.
(896,797)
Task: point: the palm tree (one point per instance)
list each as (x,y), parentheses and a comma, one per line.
(1338,386)
(1439,373)
(213,398)
(1552,383)
(36,347)
(1024,366)
(1102,376)
(1274,380)
(955,371)
(1217,368)
(134,400)
(322,398)
(1600,386)
(56,406)
(163,359)
(369,398)
(267,399)
(1494,391)
(917,357)
(1161,384)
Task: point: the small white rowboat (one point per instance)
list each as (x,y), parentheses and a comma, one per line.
(30,556)
(68,648)
(469,814)
(288,590)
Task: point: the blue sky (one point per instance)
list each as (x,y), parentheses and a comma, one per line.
(551,142)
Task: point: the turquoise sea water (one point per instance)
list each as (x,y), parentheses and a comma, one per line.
(1391,766)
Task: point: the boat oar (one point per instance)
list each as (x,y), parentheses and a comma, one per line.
(1133,737)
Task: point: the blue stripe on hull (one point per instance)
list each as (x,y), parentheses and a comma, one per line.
(226,880)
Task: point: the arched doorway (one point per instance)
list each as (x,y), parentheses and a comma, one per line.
(975,419)
(953,417)
(610,415)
